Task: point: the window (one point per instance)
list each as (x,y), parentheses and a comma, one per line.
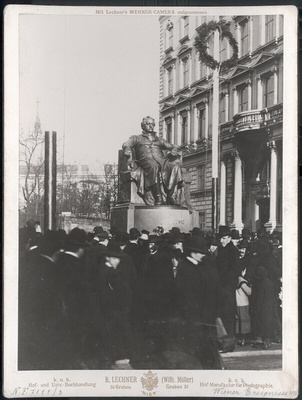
(201,178)
(222,49)
(269,27)
(244,38)
(184,129)
(185,72)
(185,26)
(243,98)
(202,220)
(268,91)
(169,130)
(203,70)
(201,123)
(170,37)
(170,81)
(222,109)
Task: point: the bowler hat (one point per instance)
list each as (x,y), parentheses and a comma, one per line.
(197,232)
(224,230)
(122,238)
(175,230)
(197,244)
(103,235)
(246,233)
(178,238)
(31,223)
(98,229)
(134,233)
(235,234)
(113,250)
(144,237)
(243,244)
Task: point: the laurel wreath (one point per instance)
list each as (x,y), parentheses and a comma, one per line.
(201,45)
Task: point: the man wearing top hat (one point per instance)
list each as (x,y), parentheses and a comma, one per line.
(115,300)
(196,295)
(228,268)
(74,299)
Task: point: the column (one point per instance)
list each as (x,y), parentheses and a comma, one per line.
(251,26)
(275,72)
(249,94)
(259,92)
(237,36)
(195,123)
(235,106)
(237,223)
(188,138)
(189,70)
(172,128)
(278,26)
(166,83)
(273,187)
(222,220)
(226,93)
(255,222)
(262,30)
(178,133)
(181,74)
(206,122)
(174,78)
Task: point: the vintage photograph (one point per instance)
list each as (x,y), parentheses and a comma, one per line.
(152,198)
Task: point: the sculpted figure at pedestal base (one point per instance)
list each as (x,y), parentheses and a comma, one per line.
(158,177)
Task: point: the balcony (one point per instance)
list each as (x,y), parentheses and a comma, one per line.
(248,120)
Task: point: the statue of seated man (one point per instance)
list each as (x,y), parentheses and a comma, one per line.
(158,176)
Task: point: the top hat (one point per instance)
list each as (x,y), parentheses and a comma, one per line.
(113,250)
(196,244)
(77,237)
(235,234)
(134,233)
(224,230)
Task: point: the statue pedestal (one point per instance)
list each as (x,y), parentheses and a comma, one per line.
(127,216)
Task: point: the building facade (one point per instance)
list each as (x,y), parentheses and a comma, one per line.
(249,115)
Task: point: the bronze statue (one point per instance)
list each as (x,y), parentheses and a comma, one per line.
(158,176)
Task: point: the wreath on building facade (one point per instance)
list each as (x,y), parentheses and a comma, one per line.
(201,45)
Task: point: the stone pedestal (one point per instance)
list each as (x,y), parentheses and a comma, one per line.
(149,217)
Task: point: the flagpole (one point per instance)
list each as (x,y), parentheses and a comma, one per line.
(215,143)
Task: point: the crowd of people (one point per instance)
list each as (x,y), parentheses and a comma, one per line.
(160,299)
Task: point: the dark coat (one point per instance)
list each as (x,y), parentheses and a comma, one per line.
(263,306)
(157,287)
(228,266)
(196,291)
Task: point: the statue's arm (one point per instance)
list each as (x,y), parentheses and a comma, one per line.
(172,147)
(127,147)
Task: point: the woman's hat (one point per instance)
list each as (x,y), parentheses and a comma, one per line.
(196,244)
(144,237)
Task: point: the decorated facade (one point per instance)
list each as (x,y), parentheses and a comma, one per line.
(249,113)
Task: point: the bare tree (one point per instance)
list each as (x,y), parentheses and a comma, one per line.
(31,146)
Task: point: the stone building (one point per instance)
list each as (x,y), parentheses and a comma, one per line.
(250,117)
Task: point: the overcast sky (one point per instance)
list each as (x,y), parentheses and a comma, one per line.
(95,78)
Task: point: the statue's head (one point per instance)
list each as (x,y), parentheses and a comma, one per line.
(148,124)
